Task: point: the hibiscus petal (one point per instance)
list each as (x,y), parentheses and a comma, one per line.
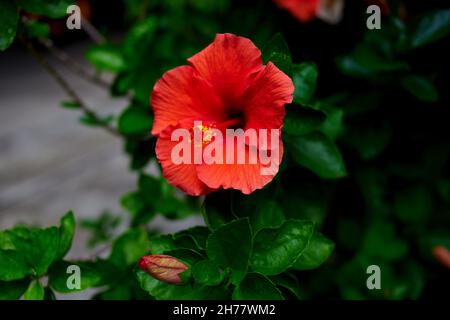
(303,10)
(183,176)
(266,98)
(181,94)
(246,177)
(228,64)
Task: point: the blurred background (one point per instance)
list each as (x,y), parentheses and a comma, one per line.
(386,97)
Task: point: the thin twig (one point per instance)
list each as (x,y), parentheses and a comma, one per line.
(74,65)
(92,31)
(70,62)
(67,88)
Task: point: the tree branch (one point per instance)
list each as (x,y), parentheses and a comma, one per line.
(74,65)
(69,62)
(92,31)
(67,88)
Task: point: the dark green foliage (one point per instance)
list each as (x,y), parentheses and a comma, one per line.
(364,179)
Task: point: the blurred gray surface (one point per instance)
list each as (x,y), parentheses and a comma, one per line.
(49,162)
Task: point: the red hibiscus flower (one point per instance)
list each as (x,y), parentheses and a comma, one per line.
(225,86)
(303,10)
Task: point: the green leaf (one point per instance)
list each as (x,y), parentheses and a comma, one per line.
(135,121)
(276,250)
(332,126)
(48,8)
(141,216)
(222,243)
(207,273)
(13,290)
(162,244)
(268,215)
(168,204)
(9,18)
(12,265)
(381,241)
(372,184)
(92,274)
(90,120)
(369,140)
(255,286)
(149,186)
(107,57)
(420,87)
(6,241)
(70,105)
(121,84)
(132,202)
(164,291)
(140,35)
(210,6)
(216,209)
(304,76)
(367,62)
(66,233)
(282,61)
(198,234)
(35,291)
(143,75)
(288,282)
(101,228)
(39,247)
(277,51)
(414,279)
(301,121)
(37,29)
(413,204)
(129,247)
(349,234)
(443,188)
(318,153)
(315,254)
(187,242)
(275,44)
(431,27)
(34,250)
(312,198)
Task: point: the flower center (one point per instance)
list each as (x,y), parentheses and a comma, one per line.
(237,120)
(233,123)
(208,132)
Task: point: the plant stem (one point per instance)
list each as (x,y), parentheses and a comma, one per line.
(74,65)
(71,63)
(67,88)
(92,31)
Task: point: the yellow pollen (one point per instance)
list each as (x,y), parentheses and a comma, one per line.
(208,134)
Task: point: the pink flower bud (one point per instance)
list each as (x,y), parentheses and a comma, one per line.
(162,267)
(442,255)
